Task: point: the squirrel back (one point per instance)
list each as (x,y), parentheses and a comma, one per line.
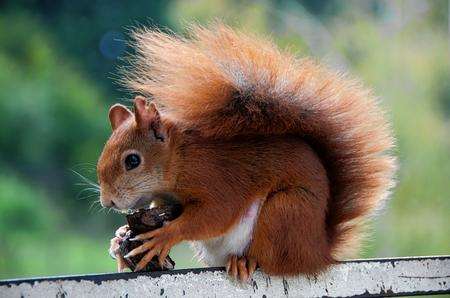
(224,84)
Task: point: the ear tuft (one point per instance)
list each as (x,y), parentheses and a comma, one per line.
(145,112)
(118,114)
(140,104)
(148,118)
(141,112)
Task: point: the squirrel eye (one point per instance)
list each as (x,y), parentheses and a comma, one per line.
(132,161)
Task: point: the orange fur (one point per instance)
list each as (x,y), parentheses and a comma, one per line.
(247,121)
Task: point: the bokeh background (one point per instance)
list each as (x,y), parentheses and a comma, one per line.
(58,73)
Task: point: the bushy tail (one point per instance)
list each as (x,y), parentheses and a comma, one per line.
(225,83)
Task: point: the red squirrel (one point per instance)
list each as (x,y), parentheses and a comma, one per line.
(277,161)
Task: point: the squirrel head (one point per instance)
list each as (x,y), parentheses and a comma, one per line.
(130,168)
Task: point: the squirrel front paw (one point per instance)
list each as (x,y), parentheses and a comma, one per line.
(115,245)
(241,267)
(157,242)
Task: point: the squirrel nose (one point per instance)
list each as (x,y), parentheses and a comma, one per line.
(108,203)
(107,198)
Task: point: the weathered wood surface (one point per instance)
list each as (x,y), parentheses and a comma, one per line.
(358,278)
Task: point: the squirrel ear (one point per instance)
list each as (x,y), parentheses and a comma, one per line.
(118,114)
(147,117)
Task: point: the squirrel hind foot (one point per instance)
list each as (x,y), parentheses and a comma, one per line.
(241,268)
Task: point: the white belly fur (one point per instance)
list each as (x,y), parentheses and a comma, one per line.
(215,251)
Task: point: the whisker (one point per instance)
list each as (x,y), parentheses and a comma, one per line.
(93,204)
(102,209)
(88,196)
(85,179)
(89,189)
(87,166)
(84,184)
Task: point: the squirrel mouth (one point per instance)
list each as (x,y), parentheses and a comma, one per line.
(143,203)
(152,201)
(135,209)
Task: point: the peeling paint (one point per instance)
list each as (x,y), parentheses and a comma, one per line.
(361,278)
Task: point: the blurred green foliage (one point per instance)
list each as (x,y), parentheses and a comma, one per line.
(57,61)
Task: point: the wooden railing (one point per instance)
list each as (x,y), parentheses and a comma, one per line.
(358,278)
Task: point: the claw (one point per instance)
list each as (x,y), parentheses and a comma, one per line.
(251,266)
(234,268)
(146,259)
(140,249)
(121,265)
(147,235)
(163,255)
(242,268)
